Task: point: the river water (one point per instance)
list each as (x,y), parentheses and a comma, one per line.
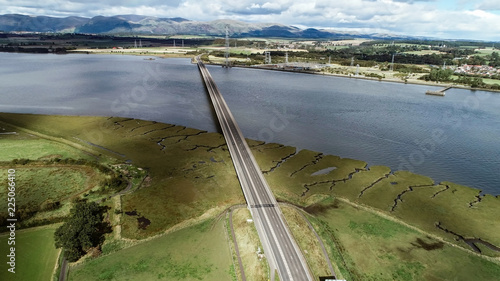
(453,138)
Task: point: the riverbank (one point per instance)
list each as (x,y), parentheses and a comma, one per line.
(154,52)
(361,77)
(183,53)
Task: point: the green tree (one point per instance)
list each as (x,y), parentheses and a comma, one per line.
(83,230)
(438,75)
(495,59)
(477,83)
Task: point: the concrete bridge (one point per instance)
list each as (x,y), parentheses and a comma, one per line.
(280,248)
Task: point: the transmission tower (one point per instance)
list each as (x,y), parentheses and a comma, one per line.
(392,63)
(352,61)
(268,57)
(226,54)
(286,57)
(140,43)
(135,44)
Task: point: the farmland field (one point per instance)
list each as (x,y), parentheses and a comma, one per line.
(200,252)
(36,255)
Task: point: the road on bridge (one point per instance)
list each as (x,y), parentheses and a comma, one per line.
(279,246)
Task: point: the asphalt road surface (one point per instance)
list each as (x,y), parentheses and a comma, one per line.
(279,246)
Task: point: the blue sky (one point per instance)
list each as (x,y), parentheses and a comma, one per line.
(449,19)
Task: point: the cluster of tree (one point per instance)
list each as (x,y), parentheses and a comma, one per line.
(474,60)
(37,50)
(27,210)
(445,75)
(474,82)
(374,75)
(438,75)
(437,43)
(82,231)
(69,161)
(115,183)
(494,59)
(385,55)
(408,68)
(362,63)
(459,53)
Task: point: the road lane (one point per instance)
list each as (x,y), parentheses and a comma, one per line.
(280,248)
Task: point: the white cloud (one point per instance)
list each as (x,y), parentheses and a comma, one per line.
(274,6)
(411,17)
(489,5)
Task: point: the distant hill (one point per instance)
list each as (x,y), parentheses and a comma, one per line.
(40,23)
(137,24)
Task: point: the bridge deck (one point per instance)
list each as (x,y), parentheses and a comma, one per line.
(279,246)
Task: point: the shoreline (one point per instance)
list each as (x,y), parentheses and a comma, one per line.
(387,80)
(65,141)
(166,54)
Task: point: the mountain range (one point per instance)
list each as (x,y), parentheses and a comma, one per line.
(137,24)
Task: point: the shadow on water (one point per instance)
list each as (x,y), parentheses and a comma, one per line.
(213,114)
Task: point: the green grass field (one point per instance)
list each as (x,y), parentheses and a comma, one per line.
(423,52)
(38,185)
(36,149)
(200,252)
(375,248)
(485,80)
(191,178)
(486,51)
(28,146)
(36,255)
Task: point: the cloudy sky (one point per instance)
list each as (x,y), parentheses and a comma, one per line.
(453,19)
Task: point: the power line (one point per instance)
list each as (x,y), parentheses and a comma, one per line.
(226,54)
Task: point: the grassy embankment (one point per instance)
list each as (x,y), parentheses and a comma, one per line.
(308,242)
(255,267)
(393,216)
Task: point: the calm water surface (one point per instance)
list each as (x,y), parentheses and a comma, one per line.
(454,138)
